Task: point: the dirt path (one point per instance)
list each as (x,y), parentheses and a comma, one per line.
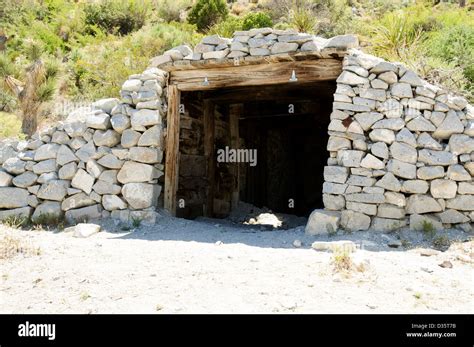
(183,266)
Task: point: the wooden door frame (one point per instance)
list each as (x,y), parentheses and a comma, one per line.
(192,79)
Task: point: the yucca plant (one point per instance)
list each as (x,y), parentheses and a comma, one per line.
(32,88)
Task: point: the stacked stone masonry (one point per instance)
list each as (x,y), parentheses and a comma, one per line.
(401,151)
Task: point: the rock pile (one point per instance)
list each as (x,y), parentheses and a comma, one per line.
(257,43)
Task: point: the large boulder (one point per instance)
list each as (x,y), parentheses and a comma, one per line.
(141,195)
(136,172)
(322,222)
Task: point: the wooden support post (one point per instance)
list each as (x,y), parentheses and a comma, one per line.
(235,112)
(172,150)
(209,131)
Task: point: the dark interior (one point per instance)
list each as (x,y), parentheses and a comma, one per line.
(286,124)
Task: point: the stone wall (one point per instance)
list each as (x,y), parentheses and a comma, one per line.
(401,152)
(104,160)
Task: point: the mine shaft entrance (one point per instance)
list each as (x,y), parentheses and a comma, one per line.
(263,144)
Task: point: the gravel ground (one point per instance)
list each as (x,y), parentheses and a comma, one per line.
(216,266)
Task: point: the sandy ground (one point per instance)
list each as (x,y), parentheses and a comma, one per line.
(212,266)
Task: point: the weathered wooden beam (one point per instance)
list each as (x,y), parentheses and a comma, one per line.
(235,112)
(172,150)
(257,75)
(209,130)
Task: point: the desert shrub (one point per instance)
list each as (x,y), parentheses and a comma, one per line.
(206,13)
(227,27)
(172,10)
(120,17)
(303,20)
(256,20)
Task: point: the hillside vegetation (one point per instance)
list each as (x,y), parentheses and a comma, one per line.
(96,45)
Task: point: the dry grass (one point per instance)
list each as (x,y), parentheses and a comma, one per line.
(10,125)
(10,246)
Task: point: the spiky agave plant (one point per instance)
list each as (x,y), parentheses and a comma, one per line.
(35,86)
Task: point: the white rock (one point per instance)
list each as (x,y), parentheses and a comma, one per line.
(431,157)
(382,135)
(336,174)
(450,125)
(371,162)
(401,90)
(421,222)
(415,187)
(389,182)
(84,230)
(82,180)
(136,172)
(461,203)
(146,155)
(452,217)
(13,197)
(141,195)
(113,202)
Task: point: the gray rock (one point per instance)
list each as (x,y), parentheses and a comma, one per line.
(83,214)
(141,195)
(402,169)
(113,202)
(99,121)
(401,90)
(412,78)
(366,120)
(322,222)
(45,166)
(132,172)
(25,180)
(68,171)
(13,197)
(392,124)
(65,155)
(108,138)
(415,187)
(390,211)
(82,180)
(22,213)
(120,122)
(388,77)
(76,201)
(426,141)
(333,202)
(420,123)
(384,66)
(387,224)
(461,203)
(103,188)
(419,204)
(284,47)
(371,162)
(458,173)
(365,198)
(431,157)
(134,85)
(382,135)
(106,105)
(47,151)
(14,166)
(146,155)
(351,78)
(60,137)
(367,209)
(403,152)
(49,209)
(452,217)
(5,179)
(351,158)
(354,221)
(380,149)
(466,188)
(216,54)
(144,118)
(422,222)
(450,125)
(110,161)
(394,198)
(389,182)
(53,190)
(459,144)
(336,174)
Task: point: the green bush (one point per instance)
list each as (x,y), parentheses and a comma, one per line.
(227,27)
(170,10)
(256,20)
(206,13)
(117,17)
